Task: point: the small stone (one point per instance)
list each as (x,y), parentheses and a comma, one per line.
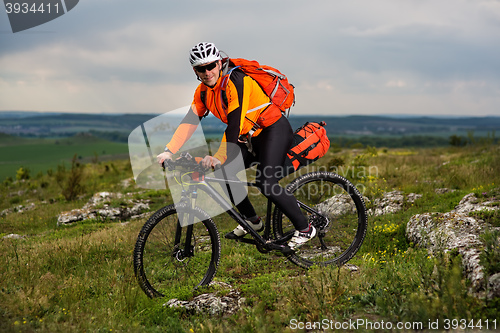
(494,286)
(443,190)
(391,202)
(13,236)
(211,303)
(351,267)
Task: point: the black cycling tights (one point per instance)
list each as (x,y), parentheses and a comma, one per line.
(270,147)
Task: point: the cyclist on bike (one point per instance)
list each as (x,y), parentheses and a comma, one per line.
(248,114)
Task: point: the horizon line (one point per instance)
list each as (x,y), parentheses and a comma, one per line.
(291,114)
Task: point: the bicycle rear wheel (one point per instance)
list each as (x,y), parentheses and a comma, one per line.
(163,263)
(336,209)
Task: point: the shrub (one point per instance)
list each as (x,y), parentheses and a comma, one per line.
(457,141)
(8,181)
(71,182)
(23,174)
(490,257)
(335,162)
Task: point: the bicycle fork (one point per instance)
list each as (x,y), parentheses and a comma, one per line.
(188,251)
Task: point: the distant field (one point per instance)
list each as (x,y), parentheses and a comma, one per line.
(44,154)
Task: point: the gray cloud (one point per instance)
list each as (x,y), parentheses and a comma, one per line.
(344,57)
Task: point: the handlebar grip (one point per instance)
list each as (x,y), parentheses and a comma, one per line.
(183,162)
(168,164)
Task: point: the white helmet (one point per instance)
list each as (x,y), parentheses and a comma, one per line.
(203,53)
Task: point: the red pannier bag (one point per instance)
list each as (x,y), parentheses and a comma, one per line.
(310,143)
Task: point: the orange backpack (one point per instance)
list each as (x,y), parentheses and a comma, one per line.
(310,142)
(274,83)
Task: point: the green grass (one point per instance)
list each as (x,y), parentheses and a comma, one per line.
(80,278)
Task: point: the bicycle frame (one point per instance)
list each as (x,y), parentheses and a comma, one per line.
(263,243)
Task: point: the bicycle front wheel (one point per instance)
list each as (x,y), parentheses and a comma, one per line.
(174,260)
(336,209)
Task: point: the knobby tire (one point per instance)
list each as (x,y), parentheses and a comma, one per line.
(341,223)
(160,263)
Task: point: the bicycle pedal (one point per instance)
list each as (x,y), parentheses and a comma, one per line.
(232,236)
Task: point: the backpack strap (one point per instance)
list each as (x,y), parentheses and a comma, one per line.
(247,138)
(225,65)
(203,97)
(226,75)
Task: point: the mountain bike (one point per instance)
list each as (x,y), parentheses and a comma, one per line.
(172,253)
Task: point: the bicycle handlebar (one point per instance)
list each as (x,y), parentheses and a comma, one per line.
(185,161)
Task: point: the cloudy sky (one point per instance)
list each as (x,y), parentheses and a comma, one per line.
(418,57)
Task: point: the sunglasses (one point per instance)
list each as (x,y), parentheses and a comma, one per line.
(202,69)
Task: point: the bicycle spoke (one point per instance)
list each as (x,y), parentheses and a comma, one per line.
(337,212)
(174,259)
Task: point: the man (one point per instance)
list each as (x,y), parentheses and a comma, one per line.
(249,115)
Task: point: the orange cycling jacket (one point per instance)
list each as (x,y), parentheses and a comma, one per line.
(247,104)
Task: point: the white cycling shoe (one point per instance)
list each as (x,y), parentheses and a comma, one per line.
(300,238)
(239,232)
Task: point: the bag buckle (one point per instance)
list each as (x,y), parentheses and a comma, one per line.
(243,138)
(247,138)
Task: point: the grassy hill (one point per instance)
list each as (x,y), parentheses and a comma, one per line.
(40,155)
(66,124)
(80,278)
